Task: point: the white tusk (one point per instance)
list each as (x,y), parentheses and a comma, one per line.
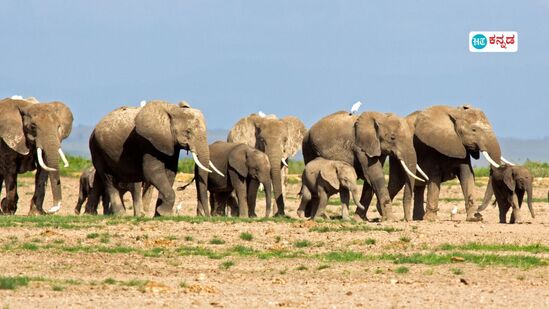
(487,156)
(41,161)
(215,169)
(54,209)
(409,171)
(197,162)
(507,161)
(422,172)
(62,155)
(284,162)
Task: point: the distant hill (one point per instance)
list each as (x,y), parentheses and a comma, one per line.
(514,149)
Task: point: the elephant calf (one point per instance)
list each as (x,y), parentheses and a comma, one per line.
(323,178)
(509,183)
(86,189)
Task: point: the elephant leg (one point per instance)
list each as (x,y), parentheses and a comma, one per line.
(503,209)
(9,204)
(284,176)
(433,191)
(233,205)
(220,200)
(322,202)
(419,197)
(306,197)
(117,207)
(239,185)
(345,197)
(96,193)
(135,191)
(515,214)
(365,200)
(154,172)
(82,196)
(40,180)
(467,182)
(1,185)
(213,206)
(253,186)
(146,197)
(398,179)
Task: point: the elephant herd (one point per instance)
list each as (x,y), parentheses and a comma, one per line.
(135,149)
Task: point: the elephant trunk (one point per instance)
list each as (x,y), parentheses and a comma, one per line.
(530,207)
(356,197)
(203,156)
(487,195)
(491,150)
(268,197)
(275,158)
(51,152)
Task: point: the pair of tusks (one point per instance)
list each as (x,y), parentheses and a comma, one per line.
(409,172)
(197,162)
(47,168)
(491,161)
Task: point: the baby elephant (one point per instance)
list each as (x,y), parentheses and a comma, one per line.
(509,183)
(323,178)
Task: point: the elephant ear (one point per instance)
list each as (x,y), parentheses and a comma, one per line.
(296,133)
(11,125)
(509,178)
(329,173)
(238,160)
(435,127)
(153,123)
(65,118)
(366,133)
(244,131)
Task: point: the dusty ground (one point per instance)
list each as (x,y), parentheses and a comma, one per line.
(95,262)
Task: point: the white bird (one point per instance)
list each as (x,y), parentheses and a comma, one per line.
(355,107)
(143,103)
(454,210)
(261,114)
(16,97)
(178,208)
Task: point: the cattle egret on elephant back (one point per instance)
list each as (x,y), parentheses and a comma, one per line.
(143,103)
(355,107)
(261,114)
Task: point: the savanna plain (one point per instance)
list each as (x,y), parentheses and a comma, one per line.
(185,261)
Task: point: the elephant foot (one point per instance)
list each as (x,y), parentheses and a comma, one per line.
(430,216)
(281,214)
(301,213)
(477,217)
(163,211)
(254,215)
(321,217)
(346,218)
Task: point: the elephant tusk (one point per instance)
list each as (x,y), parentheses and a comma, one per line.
(41,161)
(197,162)
(55,208)
(284,162)
(489,159)
(409,171)
(507,161)
(62,155)
(215,169)
(422,172)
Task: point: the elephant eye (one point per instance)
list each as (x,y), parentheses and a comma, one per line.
(474,129)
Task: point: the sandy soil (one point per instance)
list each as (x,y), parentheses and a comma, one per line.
(173,277)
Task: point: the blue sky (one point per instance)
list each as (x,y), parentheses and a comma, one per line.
(306,58)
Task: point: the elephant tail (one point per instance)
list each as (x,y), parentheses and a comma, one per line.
(185,186)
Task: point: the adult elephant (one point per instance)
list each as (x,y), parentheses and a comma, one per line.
(445,139)
(31,135)
(364,142)
(143,144)
(278,138)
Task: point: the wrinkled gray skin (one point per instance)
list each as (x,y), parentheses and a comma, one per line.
(509,183)
(86,187)
(278,138)
(25,126)
(244,168)
(364,142)
(143,144)
(445,139)
(323,178)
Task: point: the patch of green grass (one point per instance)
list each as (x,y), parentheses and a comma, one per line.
(405,239)
(59,241)
(343,256)
(217,241)
(520,261)
(29,246)
(402,270)
(189,238)
(301,267)
(242,250)
(532,248)
(57,288)
(370,241)
(105,238)
(429,272)
(302,244)
(352,228)
(226,265)
(246,236)
(134,282)
(323,266)
(109,281)
(456,271)
(92,235)
(12,283)
(183,284)
(200,251)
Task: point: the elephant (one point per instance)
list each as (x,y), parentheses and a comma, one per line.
(86,186)
(509,183)
(364,141)
(31,134)
(278,138)
(322,178)
(142,145)
(245,168)
(445,139)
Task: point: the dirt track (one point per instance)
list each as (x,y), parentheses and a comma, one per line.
(97,262)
